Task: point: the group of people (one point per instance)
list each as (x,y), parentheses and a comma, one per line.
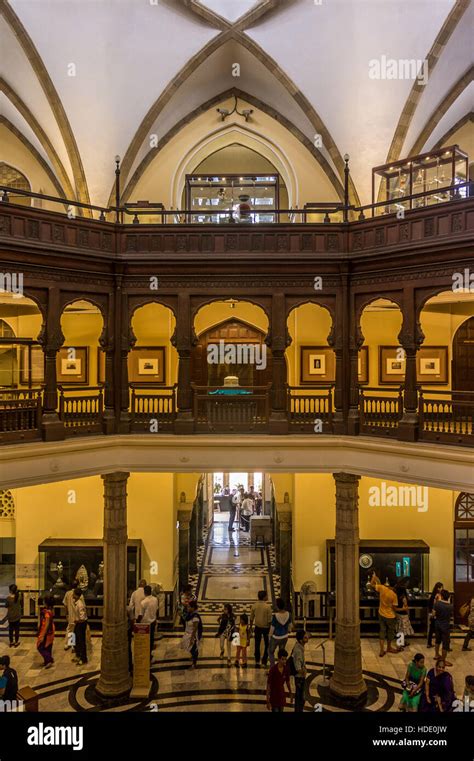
(142,608)
(241,505)
(431,691)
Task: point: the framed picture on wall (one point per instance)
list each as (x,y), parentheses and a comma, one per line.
(432,365)
(363,365)
(100,366)
(72,365)
(318,365)
(31,365)
(147,364)
(391,365)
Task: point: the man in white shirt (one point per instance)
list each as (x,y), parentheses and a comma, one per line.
(68,603)
(136,599)
(148,611)
(80,627)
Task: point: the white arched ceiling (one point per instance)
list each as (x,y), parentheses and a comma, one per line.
(326,50)
(8,110)
(461,106)
(227,135)
(125,53)
(22,78)
(456,59)
(229,9)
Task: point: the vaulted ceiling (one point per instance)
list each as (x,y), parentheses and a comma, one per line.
(84,80)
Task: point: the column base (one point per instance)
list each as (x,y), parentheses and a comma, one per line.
(408,427)
(125,422)
(109,694)
(347,697)
(108,422)
(184,423)
(52,427)
(339,424)
(353,422)
(278,423)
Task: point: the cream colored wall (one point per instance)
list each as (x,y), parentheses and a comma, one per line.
(74,509)
(464,137)
(84,330)
(15,153)
(314,522)
(153,325)
(308,325)
(157,181)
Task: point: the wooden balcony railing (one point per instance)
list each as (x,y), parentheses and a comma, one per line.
(380,411)
(81,409)
(153,408)
(20,414)
(310,409)
(447,416)
(230,412)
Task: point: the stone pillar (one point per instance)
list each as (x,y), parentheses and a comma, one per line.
(411,337)
(114,678)
(277,340)
(184,519)
(285,551)
(106,344)
(184,339)
(51,339)
(356,342)
(193,526)
(338,339)
(347,684)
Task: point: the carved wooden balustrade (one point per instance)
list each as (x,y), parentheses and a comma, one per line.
(153,408)
(310,409)
(216,411)
(81,409)
(20,414)
(380,411)
(447,416)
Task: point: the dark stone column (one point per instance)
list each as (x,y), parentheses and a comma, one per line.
(277,340)
(347,684)
(51,339)
(411,337)
(285,547)
(114,677)
(184,519)
(184,339)
(193,524)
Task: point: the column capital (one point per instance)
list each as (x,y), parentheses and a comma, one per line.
(116,477)
(346,478)
(185,513)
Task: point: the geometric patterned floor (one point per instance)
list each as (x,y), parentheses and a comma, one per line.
(233,566)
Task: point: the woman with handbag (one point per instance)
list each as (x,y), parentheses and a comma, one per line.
(413,684)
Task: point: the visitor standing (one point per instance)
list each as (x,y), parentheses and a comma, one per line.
(438,695)
(260,620)
(404,628)
(14,615)
(192,636)
(68,602)
(243,641)
(413,684)
(148,613)
(443,610)
(136,599)
(246,512)
(80,627)
(9,689)
(278,677)
(299,665)
(185,598)
(387,617)
(280,628)
(45,638)
(434,597)
(234,506)
(226,630)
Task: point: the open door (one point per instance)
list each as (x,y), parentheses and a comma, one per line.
(463,553)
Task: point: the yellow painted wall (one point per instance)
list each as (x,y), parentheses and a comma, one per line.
(464,137)
(15,153)
(153,325)
(218,311)
(314,522)
(308,325)
(84,330)
(49,511)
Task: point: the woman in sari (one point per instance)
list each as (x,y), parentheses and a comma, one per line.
(45,639)
(439,692)
(413,684)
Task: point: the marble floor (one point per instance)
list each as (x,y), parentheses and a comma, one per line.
(230,570)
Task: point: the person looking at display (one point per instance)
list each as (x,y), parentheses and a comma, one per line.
(45,638)
(80,627)
(434,596)
(388,601)
(443,611)
(148,614)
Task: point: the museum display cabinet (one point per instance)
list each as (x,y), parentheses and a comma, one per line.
(423,180)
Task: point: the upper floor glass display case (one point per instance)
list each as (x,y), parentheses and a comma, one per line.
(430,177)
(246,198)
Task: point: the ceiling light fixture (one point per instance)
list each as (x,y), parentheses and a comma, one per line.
(224,112)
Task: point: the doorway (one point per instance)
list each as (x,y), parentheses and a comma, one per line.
(463,553)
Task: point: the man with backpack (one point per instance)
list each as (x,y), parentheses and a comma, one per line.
(193,633)
(297,666)
(279,629)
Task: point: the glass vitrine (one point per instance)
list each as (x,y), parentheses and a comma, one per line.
(423,180)
(230,198)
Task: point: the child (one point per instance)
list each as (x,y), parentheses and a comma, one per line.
(244,637)
(226,629)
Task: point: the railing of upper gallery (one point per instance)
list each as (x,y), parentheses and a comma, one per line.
(81,409)
(20,414)
(152,412)
(380,411)
(446,416)
(224,410)
(310,409)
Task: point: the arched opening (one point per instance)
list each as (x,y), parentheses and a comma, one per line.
(311,363)
(153,369)
(231,366)
(15,179)
(381,364)
(80,369)
(463,554)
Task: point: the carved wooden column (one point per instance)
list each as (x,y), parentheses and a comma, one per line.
(184,339)
(114,677)
(347,684)
(277,340)
(411,337)
(285,550)
(51,339)
(356,341)
(107,345)
(184,520)
(338,339)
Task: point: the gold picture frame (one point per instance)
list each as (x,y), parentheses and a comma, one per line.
(72,365)
(147,364)
(432,366)
(317,365)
